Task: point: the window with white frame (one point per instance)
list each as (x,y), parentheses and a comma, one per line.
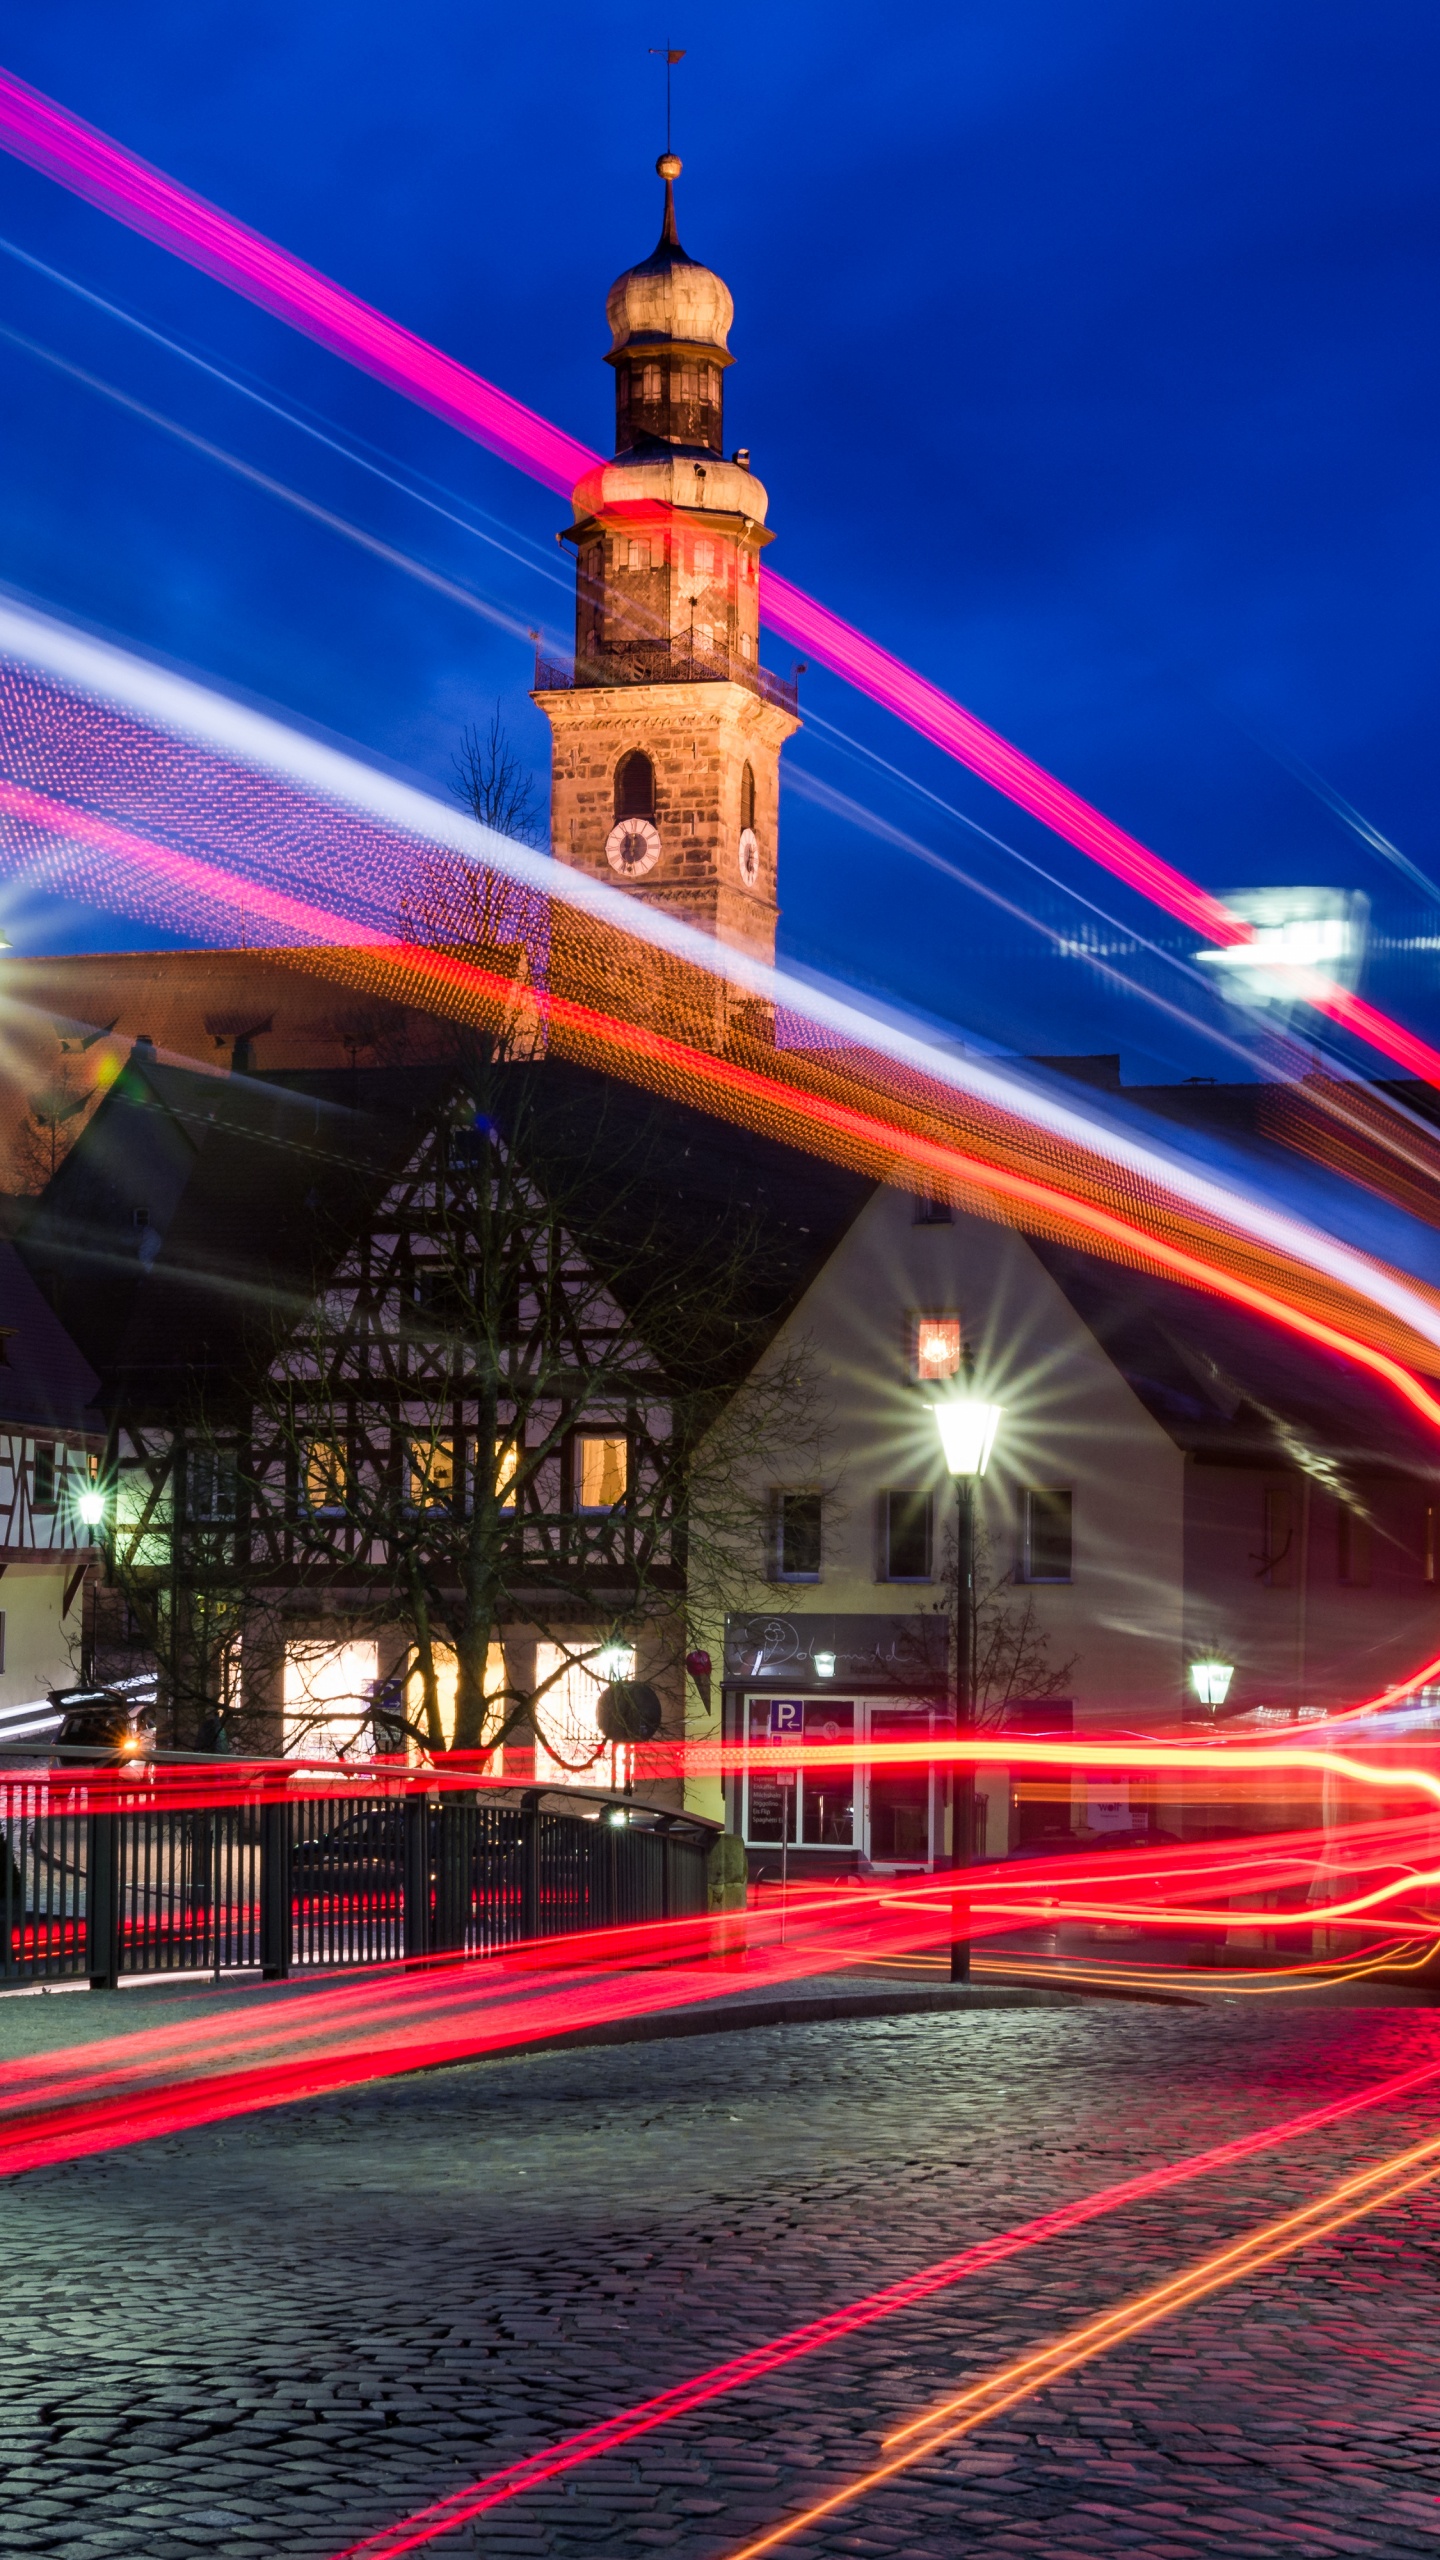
(796,1525)
(907,1536)
(1047,1543)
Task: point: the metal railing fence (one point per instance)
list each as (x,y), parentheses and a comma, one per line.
(314,1884)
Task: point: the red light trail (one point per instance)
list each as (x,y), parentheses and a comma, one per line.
(120,184)
(1368,2191)
(429,2523)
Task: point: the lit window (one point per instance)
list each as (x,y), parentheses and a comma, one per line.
(1049,1544)
(325,1475)
(796,1520)
(507,1460)
(432,1473)
(935,1346)
(906,1529)
(601,1472)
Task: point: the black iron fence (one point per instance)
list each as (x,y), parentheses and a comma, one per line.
(316,1883)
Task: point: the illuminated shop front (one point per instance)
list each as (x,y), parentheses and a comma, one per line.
(866,1679)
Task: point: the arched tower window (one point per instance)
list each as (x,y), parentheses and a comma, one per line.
(747,796)
(635,786)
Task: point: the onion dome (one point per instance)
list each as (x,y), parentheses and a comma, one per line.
(669,299)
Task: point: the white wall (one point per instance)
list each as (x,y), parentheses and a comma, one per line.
(37,1645)
(1069,1420)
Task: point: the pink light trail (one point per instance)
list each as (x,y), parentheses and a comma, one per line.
(119,183)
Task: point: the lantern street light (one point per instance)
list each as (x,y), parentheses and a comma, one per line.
(967,1428)
(1211,1682)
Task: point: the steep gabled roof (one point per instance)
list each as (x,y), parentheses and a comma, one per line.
(198,1213)
(46,1383)
(1228,1387)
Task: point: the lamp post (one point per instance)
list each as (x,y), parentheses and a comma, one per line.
(967,1428)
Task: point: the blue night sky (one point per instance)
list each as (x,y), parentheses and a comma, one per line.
(1088,356)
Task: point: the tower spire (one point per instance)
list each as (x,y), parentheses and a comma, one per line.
(669,168)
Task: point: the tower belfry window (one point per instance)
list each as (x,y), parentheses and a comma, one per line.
(747,795)
(635,786)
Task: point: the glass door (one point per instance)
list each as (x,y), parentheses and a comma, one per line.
(903,1804)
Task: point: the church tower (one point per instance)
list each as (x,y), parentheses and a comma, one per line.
(667,738)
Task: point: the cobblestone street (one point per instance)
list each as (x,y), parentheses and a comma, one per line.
(271,2337)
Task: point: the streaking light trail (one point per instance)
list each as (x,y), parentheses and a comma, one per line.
(498,2487)
(279,818)
(75,154)
(1369,2191)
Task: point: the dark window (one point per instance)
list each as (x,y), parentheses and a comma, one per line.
(1352,1547)
(1277,1556)
(906,1526)
(797,1537)
(44,1479)
(747,796)
(1048,1540)
(929,1212)
(635,787)
(211,1486)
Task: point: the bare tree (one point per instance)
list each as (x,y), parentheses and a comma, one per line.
(492,781)
(49,1129)
(1010,1646)
(527,1409)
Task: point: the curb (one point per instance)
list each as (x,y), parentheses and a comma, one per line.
(732,2017)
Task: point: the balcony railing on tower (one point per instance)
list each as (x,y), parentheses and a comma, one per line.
(648,662)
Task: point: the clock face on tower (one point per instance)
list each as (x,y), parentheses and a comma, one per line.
(749,857)
(632,848)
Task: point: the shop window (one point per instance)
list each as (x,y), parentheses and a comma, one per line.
(907,1536)
(43,1496)
(811,1808)
(1352,1547)
(1048,1534)
(635,786)
(601,1471)
(934,1346)
(796,1521)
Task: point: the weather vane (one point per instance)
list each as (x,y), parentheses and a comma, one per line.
(671,58)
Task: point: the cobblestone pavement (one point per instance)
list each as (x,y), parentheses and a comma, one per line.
(266,2338)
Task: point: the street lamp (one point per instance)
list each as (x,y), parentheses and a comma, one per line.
(1211,1682)
(91,1507)
(967,1426)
